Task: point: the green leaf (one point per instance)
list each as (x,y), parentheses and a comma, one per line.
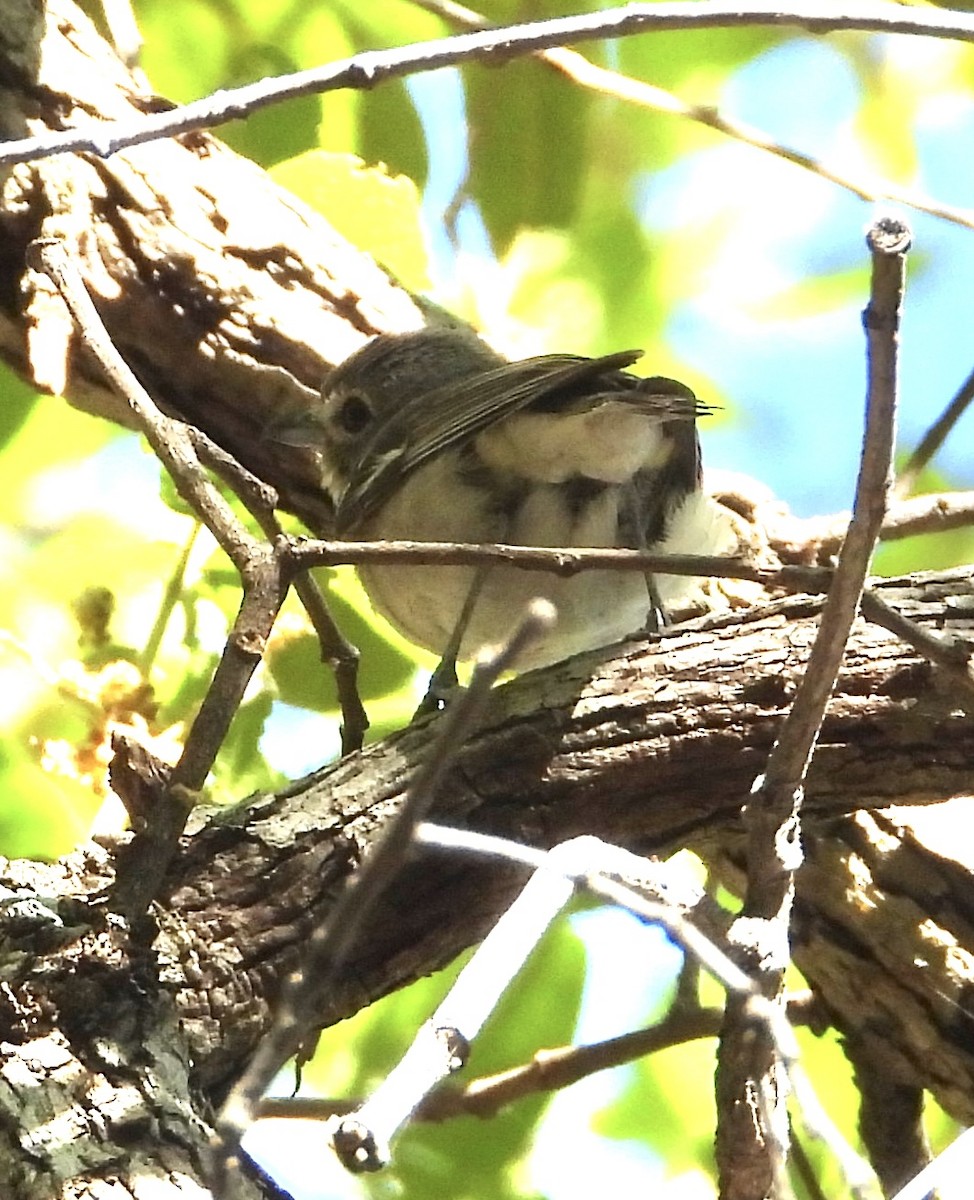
(668,1105)
(815,295)
(389,127)
(368,206)
(42,433)
(929,551)
(387,662)
(17,400)
(42,815)
(528,132)
(187,45)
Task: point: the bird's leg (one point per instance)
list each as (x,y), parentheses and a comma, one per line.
(444,679)
(656,618)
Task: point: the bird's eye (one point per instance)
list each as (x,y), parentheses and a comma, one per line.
(354,413)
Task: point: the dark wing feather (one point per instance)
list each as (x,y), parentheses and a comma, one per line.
(452,414)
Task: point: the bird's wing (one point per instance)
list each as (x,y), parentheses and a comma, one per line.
(453,413)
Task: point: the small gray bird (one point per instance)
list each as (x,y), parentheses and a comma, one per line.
(433,436)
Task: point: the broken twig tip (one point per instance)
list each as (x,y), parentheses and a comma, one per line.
(889,234)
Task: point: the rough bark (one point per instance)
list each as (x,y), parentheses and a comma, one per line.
(654,747)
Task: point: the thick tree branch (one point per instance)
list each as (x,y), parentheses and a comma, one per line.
(652,747)
(651,750)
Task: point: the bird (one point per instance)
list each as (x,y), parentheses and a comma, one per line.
(434,436)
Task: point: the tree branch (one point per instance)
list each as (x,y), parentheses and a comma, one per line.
(605,82)
(652,747)
(752,1135)
(505,43)
(649,747)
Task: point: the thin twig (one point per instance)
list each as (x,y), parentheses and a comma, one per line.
(586,74)
(143,863)
(935,437)
(490,46)
(952,656)
(788,761)
(556,560)
(818,539)
(752,1140)
(336,650)
(342,659)
(646,888)
(330,945)
(797,541)
(547,1071)
(936,512)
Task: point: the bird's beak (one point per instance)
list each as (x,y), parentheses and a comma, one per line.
(295,428)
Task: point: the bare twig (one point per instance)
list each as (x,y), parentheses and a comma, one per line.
(555,560)
(549,1070)
(889,241)
(752,1137)
(366,70)
(176,445)
(589,75)
(341,657)
(937,512)
(797,541)
(818,539)
(336,650)
(814,539)
(330,945)
(935,437)
(651,891)
(951,655)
